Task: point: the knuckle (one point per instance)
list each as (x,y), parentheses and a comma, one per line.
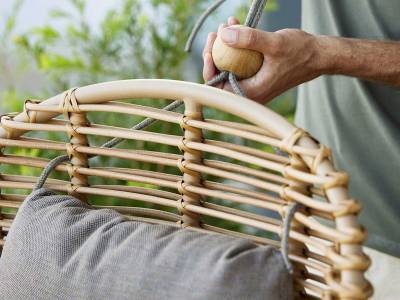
(277,45)
(251,38)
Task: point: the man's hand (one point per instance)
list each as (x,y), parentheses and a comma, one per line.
(292,56)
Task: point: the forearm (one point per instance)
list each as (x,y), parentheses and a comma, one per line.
(367,59)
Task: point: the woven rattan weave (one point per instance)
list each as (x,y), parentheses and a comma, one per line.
(209,180)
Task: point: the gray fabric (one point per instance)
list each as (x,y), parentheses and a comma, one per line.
(359,120)
(59,248)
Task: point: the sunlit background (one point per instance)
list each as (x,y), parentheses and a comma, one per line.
(48,46)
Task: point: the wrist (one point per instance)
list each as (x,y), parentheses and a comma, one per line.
(326,48)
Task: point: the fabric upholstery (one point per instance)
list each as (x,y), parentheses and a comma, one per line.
(60,248)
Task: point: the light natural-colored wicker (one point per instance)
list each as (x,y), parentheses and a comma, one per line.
(325,237)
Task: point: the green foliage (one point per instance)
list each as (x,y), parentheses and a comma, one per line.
(129,44)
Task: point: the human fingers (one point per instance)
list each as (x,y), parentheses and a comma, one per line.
(209,43)
(233,21)
(239,36)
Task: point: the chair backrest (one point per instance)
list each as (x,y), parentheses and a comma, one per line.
(232,177)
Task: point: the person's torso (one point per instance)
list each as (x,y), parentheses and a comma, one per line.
(359,120)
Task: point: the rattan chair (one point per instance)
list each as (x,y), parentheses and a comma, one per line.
(239,184)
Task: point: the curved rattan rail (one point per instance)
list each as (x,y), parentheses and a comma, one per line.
(325,237)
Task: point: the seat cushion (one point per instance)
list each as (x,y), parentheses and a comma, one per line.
(60,248)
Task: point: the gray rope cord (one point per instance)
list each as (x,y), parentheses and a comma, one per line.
(200,22)
(235,85)
(292,208)
(48,169)
(255,13)
(252,20)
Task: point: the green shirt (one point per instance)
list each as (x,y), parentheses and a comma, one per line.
(359,120)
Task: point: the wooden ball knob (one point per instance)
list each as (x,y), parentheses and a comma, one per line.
(244,63)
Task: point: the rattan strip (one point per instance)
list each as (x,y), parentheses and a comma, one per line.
(207,146)
(246,170)
(236,177)
(142,212)
(143,190)
(144,111)
(99,130)
(317,257)
(241,126)
(256,239)
(241,191)
(304,260)
(299,175)
(242,213)
(150,174)
(116,107)
(153,157)
(133,155)
(251,136)
(218,128)
(13,197)
(254,152)
(32,144)
(154,178)
(318,291)
(164,139)
(316,278)
(10,204)
(125,210)
(38,162)
(5,223)
(29,179)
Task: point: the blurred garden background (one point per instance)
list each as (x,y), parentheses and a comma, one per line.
(47,47)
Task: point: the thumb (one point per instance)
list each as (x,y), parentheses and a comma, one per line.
(239,36)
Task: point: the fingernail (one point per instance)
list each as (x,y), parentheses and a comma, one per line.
(229,35)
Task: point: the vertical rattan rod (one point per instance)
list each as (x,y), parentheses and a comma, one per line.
(192,111)
(77,159)
(354,277)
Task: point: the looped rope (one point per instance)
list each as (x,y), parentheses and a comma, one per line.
(70,103)
(30,115)
(292,208)
(9,131)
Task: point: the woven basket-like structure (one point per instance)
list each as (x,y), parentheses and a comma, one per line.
(208,181)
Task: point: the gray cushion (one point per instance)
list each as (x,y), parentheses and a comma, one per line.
(59,248)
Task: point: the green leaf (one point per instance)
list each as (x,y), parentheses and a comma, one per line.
(58,13)
(46,34)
